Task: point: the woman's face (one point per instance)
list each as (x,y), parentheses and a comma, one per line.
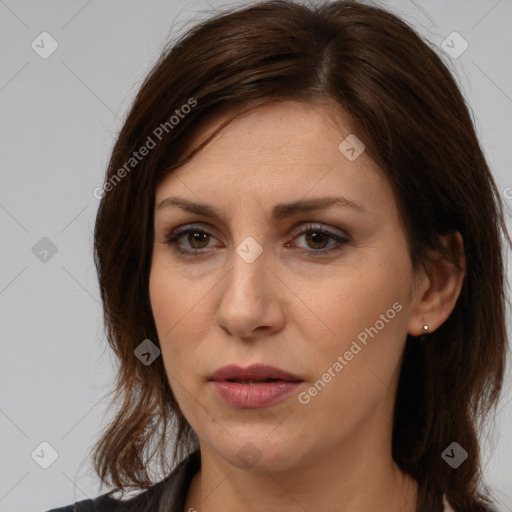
(331,308)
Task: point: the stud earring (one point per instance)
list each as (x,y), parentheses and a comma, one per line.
(425,329)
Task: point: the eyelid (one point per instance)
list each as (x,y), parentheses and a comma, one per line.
(340,239)
(321,226)
(299,228)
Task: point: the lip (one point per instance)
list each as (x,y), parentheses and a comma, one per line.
(256,395)
(255,372)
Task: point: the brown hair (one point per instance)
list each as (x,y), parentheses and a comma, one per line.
(405,106)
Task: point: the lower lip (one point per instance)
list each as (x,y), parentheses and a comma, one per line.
(252,396)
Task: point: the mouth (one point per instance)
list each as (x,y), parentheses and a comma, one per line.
(249,381)
(254,374)
(253,387)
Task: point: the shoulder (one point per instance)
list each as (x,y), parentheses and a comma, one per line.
(102,503)
(146,501)
(171,492)
(79,506)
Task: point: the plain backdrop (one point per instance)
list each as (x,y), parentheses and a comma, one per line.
(59,115)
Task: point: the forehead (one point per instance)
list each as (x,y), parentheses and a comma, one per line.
(277,152)
(275,125)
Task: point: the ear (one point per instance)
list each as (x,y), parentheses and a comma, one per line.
(439,287)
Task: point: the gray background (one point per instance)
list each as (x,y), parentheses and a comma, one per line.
(59,117)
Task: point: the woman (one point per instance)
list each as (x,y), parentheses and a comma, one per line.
(300,259)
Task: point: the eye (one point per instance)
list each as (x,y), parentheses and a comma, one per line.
(318,236)
(197,238)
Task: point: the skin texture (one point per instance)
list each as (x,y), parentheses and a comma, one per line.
(292,310)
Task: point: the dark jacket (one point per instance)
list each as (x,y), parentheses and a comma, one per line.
(169,495)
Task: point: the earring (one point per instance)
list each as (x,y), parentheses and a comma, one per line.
(425,329)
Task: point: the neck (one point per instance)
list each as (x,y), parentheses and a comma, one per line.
(356,481)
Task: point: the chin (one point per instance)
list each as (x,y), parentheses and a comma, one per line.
(259,453)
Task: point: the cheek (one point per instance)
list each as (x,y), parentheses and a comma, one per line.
(162,302)
(366,313)
(355,375)
(363,298)
(172,300)
(166,313)
(176,306)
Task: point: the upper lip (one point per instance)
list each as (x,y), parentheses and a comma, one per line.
(253,372)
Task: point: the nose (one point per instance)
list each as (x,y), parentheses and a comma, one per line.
(250,303)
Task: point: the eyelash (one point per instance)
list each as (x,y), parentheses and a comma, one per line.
(173,237)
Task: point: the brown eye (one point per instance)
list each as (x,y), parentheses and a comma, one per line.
(317,240)
(197,237)
(194,237)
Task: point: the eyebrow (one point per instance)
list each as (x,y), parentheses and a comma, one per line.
(280,211)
